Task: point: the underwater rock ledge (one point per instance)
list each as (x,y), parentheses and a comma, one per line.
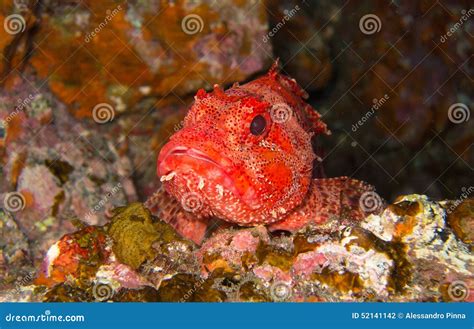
(415,250)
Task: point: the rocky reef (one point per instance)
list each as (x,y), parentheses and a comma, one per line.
(131,53)
(414,250)
(90,91)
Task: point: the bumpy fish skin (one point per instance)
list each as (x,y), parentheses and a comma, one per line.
(245,156)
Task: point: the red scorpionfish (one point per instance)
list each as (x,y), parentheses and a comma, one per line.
(245,156)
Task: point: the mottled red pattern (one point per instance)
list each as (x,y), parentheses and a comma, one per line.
(216,167)
(336,198)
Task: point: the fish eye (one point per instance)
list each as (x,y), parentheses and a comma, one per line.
(258,125)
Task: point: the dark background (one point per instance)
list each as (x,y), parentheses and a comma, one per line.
(409,145)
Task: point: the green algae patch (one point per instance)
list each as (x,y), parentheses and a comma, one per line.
(274,256)
(146,294)
(209,294)
(248,260)
(180,288)
(397,251)
(186,287)
(67,293)
(133,233)
(166,233)
(215,262)
(342,282)
(302,245)
(249,292)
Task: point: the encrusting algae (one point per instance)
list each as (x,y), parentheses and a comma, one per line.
(133,234)
(137,257)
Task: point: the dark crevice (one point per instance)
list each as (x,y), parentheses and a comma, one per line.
(27,37)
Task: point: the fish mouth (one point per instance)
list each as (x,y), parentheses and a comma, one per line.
(182,151)
(169,167)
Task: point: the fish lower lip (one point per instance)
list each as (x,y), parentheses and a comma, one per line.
(201,156)
(192,153)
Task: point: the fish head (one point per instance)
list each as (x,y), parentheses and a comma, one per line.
(243,155)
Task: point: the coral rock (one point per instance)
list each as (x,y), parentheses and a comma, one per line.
(406,253)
